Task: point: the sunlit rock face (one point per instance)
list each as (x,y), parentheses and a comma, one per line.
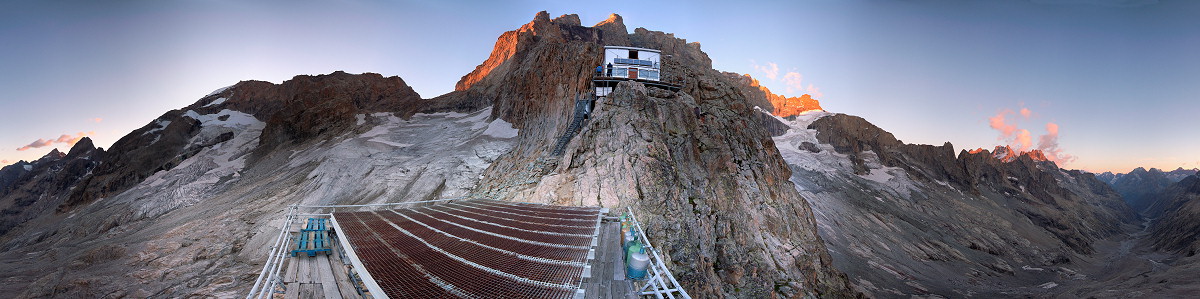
(779,105)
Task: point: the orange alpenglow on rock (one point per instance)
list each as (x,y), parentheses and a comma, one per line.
(779,105)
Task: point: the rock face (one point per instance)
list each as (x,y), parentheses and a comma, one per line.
(905,219)
(296,111)
(778,105)
(37,188)
(709,185)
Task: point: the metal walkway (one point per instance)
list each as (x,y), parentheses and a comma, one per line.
(466,248)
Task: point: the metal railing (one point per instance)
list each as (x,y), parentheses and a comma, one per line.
(656,285)
(269,281)
(268,278)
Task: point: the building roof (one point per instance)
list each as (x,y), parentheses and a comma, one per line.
(632,48)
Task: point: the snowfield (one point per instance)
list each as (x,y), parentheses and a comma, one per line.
(428,156)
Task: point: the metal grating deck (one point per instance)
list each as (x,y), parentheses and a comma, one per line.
(473,249)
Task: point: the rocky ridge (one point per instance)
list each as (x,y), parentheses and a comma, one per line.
(907,219)
(778,105)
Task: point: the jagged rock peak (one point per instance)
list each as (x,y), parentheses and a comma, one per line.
(779,105)
(567,19)
(540,29)
(53,155)
(82,146)
(613,20)
(1006,153)
(614,31)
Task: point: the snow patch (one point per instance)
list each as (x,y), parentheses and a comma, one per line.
(218,101)
(881,176)
(204,174)
(1048,285)
(28,167)
(425,153)
(159,125)
(360,119)
(230,118)
(391,143)
(500,129)
(219,90)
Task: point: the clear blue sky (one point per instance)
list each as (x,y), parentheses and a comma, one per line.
(1120,78)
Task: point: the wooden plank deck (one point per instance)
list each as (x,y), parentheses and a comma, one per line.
(321,276)
(608,269)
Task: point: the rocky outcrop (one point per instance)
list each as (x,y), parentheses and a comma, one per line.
(1028,175)
(778,105)
(899,218)
(614,31)
(296,111)
(695,165)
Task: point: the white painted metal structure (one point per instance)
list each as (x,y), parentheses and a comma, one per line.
(657,285)
(630,63)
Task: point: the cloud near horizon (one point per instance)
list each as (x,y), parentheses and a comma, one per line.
(69,140)
(1021,140)
(1048,144)
(793,81)
(770,70)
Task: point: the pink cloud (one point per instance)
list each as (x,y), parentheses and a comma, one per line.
(97,120)
(1022,140)
(36,144)
(794,82)
(3,161)
(770,70)
(64,139)
(1048,144)
(816,92)
(997,122)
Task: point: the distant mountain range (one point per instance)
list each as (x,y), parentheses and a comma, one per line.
(1140,187)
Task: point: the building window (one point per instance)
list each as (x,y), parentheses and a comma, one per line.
(633,54)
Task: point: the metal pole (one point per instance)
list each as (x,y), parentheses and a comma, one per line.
(270,258)
(654,254)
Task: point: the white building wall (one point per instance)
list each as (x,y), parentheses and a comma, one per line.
(648,64)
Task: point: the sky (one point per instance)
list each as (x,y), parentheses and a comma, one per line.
(1100,85)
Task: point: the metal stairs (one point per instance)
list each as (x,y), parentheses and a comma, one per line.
(582,110)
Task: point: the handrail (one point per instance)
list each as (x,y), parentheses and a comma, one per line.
(268,278)
(380,204)
(656,266)
(274,259)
